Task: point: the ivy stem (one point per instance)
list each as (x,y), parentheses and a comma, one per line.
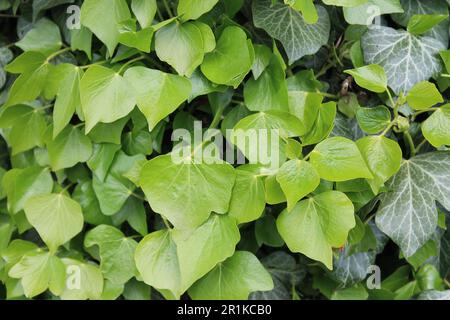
(67,187)
(44,107)
(217,118)
(93,64)
(394,104)
(444,75)
(369,219)
(337,58)
(410,142)
(447,283)
(6,15)
(9,45)
(166,223)
(57,53)
(423,111)
(389,127)
(155,63)
(130,62)
(420,145)
(328,95)
(289,72)
(160,17)
(79,125)
(324,69)
(305,158)
(138,196)
(169,11)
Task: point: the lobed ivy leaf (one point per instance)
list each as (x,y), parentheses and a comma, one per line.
(402,54)
(338,159)
(193,9)
(186,193)
(407,213)
(231,59)
(318,224)
(288,26)
(91,281)
(158,94)
(39,271)
(436,128)
(102,18)
(235,278)
(56,217)
(102,86)
(116,252)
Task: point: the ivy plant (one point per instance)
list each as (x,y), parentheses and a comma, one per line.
(224,149)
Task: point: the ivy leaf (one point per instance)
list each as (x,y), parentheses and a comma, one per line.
(436,129)
(338,159)
(27,125)
(423,95)
(115,189)
(433,7)
(116,253)
(84,194)
(297,179)
(102,18)
(234,279)
(145,11)
(371,77)
(285,126)
(69,148)
(34,69)
(157,262)
(410,223)
(350,268)
(285,273)
(139,39)
(91,281)
(420,24)
(200,250)
(38,272)
(158,94)
(23,184)
(193,9)
(262,60)
(231,60)
(102,158)
(344,3)
(41,5)
(383,157)
(322,125)
(56,217)
(181,46)
(306,7)
(288,26)
(101,86)
(373,120)
(366,12)
(269,91)
(44,37)
(186,193)
(317,225)
(81,39)
(68,99)
(435,295)
(402,55)
(248,198)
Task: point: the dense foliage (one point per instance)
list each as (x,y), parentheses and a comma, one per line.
(94,95)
